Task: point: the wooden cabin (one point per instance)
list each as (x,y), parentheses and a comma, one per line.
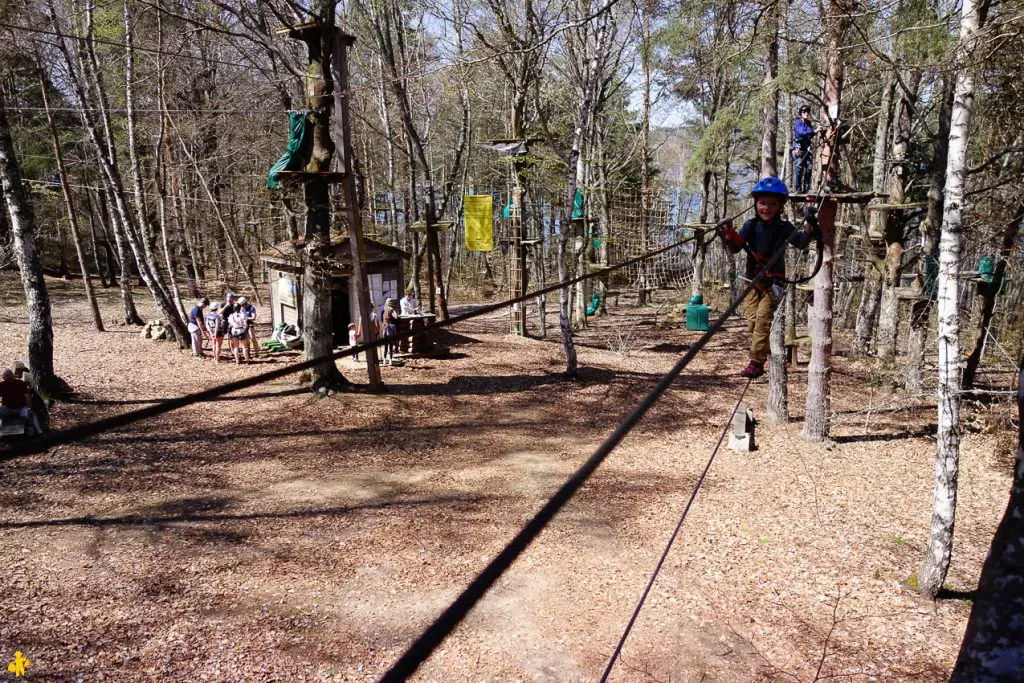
(284,263)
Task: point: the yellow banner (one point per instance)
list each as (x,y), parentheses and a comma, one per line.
(478,210)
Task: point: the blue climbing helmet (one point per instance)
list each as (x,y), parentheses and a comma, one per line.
(770,186)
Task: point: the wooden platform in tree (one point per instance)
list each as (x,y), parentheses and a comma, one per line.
(307,177)
(898,207)
(421,226)
(909,293)
(839,197)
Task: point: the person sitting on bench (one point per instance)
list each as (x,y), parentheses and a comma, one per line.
(15,399)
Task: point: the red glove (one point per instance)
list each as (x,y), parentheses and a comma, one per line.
(729,235)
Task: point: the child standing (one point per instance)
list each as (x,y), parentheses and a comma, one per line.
(215,331)
(353,339)
(803,136)
(763,236)
(238,328)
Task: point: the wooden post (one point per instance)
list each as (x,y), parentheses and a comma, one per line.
(339,64)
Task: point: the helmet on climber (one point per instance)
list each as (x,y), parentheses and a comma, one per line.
(772,186)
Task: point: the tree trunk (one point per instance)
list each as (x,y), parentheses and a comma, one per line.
(317,318)
(339,66)
(777,408)
(642,281)
(107,155)
(818,405)
(69,203)
(143,226)
(131,314)
(937,558)
(988,291)
(107,261)
(23,229)
(871,292)
(819,371)
(888,317)
(162,147)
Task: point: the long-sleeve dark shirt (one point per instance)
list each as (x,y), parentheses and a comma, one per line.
(803,133)
(764,239)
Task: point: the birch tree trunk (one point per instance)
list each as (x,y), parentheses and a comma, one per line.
(97,121)
(23,229)
(921,311)
(939,553)
(993,646)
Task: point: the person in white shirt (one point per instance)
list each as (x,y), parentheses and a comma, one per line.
(409,304)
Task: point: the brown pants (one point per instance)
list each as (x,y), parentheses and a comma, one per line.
(759,309)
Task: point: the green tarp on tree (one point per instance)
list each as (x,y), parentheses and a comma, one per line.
(577,204)
(296,154)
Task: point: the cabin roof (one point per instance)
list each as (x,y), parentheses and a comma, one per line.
(286,253)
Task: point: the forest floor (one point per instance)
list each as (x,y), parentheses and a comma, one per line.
(271,535)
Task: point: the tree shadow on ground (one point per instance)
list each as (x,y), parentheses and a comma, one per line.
(946,593)
(233,397)
(199,509)
(927,430)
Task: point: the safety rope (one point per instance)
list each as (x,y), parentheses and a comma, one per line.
(99,426)
(446,622)
(672,538)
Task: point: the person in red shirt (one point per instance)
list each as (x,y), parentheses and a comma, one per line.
(16,399)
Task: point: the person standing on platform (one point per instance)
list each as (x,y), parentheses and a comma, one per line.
(763,236)
(803,161)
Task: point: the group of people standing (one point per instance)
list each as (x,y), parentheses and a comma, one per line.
(387,325)
(233,319)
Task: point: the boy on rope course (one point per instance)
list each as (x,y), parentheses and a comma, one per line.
(763,236)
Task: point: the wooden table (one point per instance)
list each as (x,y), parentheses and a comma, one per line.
(421,343)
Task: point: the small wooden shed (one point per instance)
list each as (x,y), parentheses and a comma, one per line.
(284,263)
